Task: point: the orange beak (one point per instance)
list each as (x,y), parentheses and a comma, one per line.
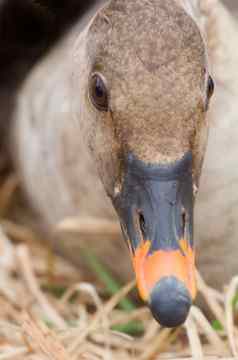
(166,280)
(156,210)
(150,269)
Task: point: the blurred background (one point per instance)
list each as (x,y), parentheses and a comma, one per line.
(231,4)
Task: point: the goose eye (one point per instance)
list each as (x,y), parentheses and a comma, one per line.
(210,87)
(98,92)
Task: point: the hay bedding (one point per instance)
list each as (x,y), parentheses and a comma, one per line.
(36,324)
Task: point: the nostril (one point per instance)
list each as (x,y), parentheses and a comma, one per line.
(184,220)
(142,224)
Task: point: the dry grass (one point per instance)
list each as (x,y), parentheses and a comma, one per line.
(38,322)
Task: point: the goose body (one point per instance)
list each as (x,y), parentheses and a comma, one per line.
(59,171)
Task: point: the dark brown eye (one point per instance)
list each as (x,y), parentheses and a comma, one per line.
(98,92)
(210,87)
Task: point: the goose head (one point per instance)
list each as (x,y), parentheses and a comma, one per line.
(141,90)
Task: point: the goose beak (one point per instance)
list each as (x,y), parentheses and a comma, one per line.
(155,207)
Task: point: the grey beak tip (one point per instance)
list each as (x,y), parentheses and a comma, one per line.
(170,302)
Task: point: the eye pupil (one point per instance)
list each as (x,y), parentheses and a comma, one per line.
(98,93)
(99,89)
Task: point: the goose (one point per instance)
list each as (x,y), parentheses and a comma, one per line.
(113,124)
